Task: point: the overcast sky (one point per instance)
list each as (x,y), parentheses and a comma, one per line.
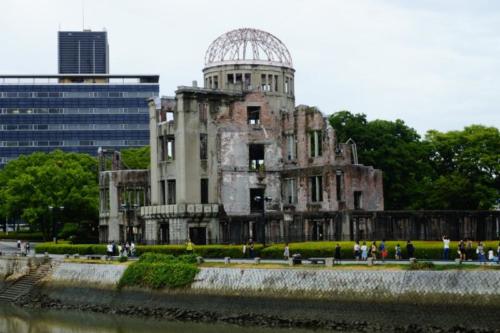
(434,64)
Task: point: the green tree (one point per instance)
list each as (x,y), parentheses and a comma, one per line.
(30,184)
(136,158)
(391,146)
(467,165)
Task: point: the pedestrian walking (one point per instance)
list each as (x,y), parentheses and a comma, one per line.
(189,246)
(19,245)
(446,247)
(357,251)
(498,254)
(364,252)
(462,250)
(410,249)
(469,253)
(109,250)
(28,247)
(244,250)
(383,250)
(337,255)
(491,255)
(373,250)
(480,253)
(286,252)
(398,255)
(132,249)
(251,250)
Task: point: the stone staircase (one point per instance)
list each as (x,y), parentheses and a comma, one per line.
(25,284)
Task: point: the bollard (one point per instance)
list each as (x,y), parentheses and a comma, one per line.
(257,260)
(369,261)
(76,256)
(458,261)
(199,260)
(413,260)
(290,262)
(227,260)
(66,256)
(46,254)
(329,262)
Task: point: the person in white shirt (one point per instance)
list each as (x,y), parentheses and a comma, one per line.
(446,245)
(491,254)
(357,251)
(364,251)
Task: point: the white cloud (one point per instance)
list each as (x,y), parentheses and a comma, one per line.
(433,64)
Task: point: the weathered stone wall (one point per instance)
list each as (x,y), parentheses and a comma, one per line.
(95,275)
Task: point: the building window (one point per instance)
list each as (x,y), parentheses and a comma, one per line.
(339,180)
(253,115)
(203,146)
(290,191)
(276,83)
(162,193)
(171,192)
(315,144)
(204,190)
(215,82)
(248,81)
(256,156)
(170,145)
(358,203)
(256,200)
(316,188)
(163,148)
(203,112)
(230,79)
(265,84)
(291,147)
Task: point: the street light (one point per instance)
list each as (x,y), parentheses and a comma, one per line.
(263,199)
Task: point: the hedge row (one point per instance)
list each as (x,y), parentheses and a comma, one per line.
(26,236)
(423,249)
(158,271)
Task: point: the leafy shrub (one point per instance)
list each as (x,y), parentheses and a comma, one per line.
(70,248)
(158,271)
(421,265)
(122,258)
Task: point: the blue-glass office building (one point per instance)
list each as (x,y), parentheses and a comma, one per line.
(77,113)
(83,52)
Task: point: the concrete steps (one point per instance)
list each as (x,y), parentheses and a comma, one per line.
(25,284)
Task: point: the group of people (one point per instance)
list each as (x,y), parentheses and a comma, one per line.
(363,251)
(466,251)
(23,247)
(122,249)
(249,249)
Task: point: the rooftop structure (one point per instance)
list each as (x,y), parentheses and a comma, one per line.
(83,52)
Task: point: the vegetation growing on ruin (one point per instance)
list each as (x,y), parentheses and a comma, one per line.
(157,271)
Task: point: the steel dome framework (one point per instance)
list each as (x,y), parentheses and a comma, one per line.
(246,45)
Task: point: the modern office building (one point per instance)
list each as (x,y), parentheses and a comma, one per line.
(83,52)
(76,113)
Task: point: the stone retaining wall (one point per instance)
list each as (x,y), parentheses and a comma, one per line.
(299,282)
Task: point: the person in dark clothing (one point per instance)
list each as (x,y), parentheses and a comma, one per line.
(410,249)
(337,253)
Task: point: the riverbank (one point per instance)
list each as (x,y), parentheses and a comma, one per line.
(349,300)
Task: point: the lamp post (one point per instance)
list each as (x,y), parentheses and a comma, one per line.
(263,200)
(54,224)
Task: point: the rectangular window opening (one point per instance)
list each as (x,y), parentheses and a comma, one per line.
(204,190)
(338,181)
(170,145)
(171,191)
(256,200)
(203,146)
(358,202)
(253,115)
(291,191)
(256,156)
(162,192)
(316,188)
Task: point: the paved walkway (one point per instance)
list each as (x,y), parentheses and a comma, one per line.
(10,248)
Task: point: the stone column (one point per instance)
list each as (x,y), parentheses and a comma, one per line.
(151,231)
(114,214)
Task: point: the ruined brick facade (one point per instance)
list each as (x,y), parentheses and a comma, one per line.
(238,160)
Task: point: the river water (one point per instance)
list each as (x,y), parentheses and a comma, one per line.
(20,320)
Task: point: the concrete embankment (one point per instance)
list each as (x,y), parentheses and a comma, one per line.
(348,299)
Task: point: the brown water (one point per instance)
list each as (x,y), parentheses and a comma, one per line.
(17,320)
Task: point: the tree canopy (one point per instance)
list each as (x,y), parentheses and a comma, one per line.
(136,158)
(31,184)
(453,170)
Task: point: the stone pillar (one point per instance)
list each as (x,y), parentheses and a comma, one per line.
(154,105)
(346,226)
(114,214)
(151,231)
(178,230)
